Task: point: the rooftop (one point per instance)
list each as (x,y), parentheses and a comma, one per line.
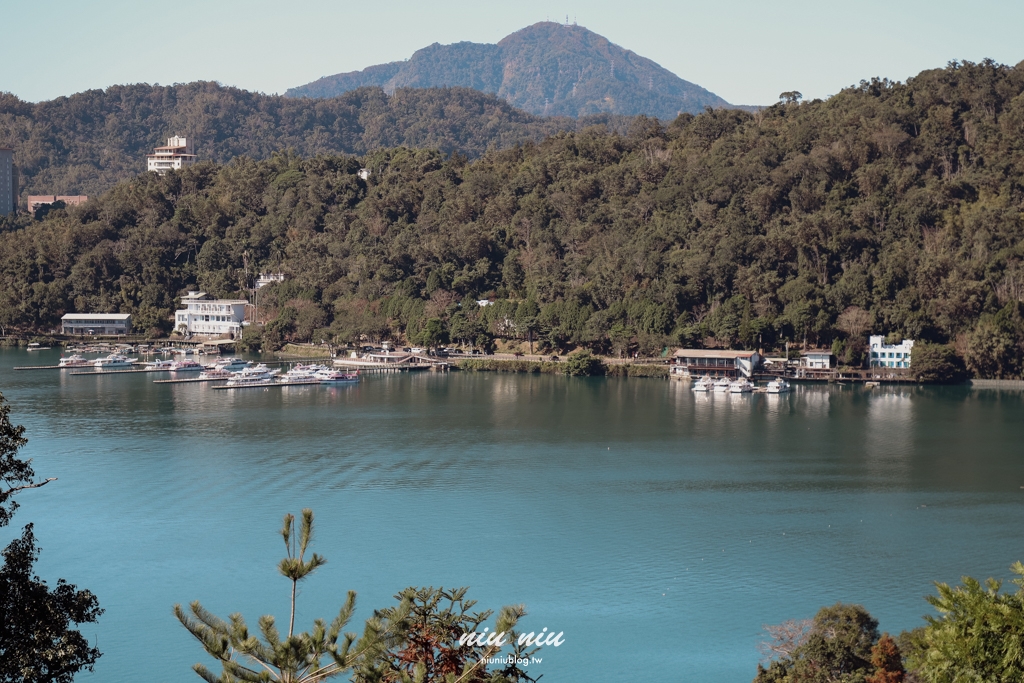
(96,316)
(712,353)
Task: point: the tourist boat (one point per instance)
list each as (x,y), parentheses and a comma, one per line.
(34,346)
(778,386)
(328,376)
(216,373)
(258,375)
(73,361)
(299,372)
(162,364)
(114,360)
(185,365)
(722,384)
(231,364)
(741,386)
(705,383)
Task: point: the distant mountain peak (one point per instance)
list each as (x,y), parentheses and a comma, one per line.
(548,68)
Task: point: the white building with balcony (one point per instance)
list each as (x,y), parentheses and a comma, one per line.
(889,355)
(210,317)
(174,156)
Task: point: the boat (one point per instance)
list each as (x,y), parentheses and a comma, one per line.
(778,386)
(258,376)
(216,373)
(705,383)
(741,386)
(114,360)
(328,376)
(722,384)
(185,365)
(73,361)
(162,364)
(34,346)
(231,364)
(301,372)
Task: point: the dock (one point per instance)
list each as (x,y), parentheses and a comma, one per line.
(272,384)
(187,380)
(138,371)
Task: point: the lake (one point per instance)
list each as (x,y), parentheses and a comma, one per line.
(658,529)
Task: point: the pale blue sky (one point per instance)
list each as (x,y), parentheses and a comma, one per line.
(746,51)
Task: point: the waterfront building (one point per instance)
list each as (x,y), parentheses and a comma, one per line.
(203,315)
(816,359)
(889,355)
(715,362)
(175,155)
(37,200)
(8,182)
(96,323)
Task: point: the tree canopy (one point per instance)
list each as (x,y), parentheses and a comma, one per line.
(890,208)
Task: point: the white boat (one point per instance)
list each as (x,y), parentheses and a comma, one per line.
(114,360)
(73,361)
(778,386)
(705,384)
(741,386)
(216,373)
(231,364)
(35,346)
(722,384)
(162,364)
(328,376)
(299,372)
(257,375)
(185,365)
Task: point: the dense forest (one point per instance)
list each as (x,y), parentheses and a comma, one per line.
(88,142)
(889,208)
(547,69)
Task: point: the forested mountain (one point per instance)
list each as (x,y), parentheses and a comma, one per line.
(890,208)
(546,69)
(85,143)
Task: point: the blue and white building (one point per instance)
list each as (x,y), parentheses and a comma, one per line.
(889,355)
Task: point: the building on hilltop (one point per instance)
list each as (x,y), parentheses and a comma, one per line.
(96,323)
(889,355)
(268,278)
(37,200)
(209,317)
(175,155)
(8,182)
(715,362)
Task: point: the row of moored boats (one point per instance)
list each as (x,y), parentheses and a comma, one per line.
(237,372)
(738,386)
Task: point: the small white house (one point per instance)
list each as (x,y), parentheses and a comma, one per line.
(816,359)
(889,355)
(210,317)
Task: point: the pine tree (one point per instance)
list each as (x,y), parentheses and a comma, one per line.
(37,644)
(308,657)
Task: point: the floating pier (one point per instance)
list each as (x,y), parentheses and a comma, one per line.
(272,384)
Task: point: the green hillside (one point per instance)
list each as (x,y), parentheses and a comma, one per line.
(547,69)
(86,143)
(890,208)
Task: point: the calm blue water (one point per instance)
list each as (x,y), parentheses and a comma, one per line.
(658,529)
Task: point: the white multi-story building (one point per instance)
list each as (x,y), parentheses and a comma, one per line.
(889,355)
(210,317)
(175,155)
